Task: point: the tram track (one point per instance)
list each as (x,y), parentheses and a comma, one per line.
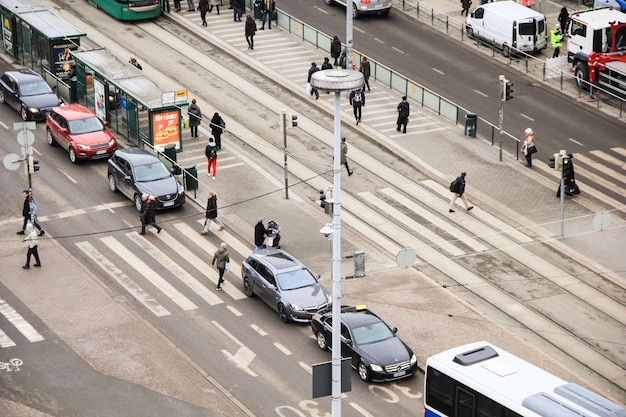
(502,299)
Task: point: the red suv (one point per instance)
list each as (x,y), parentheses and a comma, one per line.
(80,132)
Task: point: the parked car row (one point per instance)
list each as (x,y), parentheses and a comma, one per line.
(292,290)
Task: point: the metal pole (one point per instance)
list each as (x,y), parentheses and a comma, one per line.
(563,195)
(501,119)
(349,37)
(336,270)
(284,116)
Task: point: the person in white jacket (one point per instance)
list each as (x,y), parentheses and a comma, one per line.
(33,239)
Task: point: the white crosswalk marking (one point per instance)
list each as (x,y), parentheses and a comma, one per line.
(614,175)
(149,273)
(20,324)
(174,268)
(123,279)
(621,163)
(5,341)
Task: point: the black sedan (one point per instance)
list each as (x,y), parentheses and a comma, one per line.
(28,93)
(377,353)
(135,171)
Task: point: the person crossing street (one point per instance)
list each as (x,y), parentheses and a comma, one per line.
(357,101)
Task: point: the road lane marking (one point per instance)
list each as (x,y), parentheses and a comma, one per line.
(67,176)
(481,93)
(148,273)
(258,330)
(576,142)
(438,71)
(244,355)
(527,117)
(282,348)
(18,321)
(234,311)
(397,50)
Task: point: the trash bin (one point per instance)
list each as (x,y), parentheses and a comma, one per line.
(359,263)
(170,152)
(258,14)
(191,177)
(471,120)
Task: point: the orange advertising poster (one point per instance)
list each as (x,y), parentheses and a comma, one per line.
(166,128)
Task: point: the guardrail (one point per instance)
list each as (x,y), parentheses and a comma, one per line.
(539,69)
(396,81)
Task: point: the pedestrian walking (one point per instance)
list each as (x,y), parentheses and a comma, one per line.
(403,114)
(177,5)
(32,239)
(216,4)
(529,148)
(134,63)
(335,49)
(327,65)
(259,234)
(343,58)
(466,4)
(203,7)
(29,211)
(556,39)
(195,117)
(357,101)
(344,151)
(312,71)
(211,214)
(563,19)
(190,6)
(221,261)
(267,10)
(165,6)
(238,7)
(211,153)
(365,70)
(148,214)
(458,191)
(250,30)
(217,128)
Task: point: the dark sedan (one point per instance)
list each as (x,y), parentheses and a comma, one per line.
(377,353)
(135,171)
(28,93)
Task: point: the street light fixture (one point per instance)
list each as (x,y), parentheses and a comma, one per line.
(337,81)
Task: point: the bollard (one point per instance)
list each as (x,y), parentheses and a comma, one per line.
(359,263)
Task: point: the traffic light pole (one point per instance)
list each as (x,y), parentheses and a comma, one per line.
(283,116)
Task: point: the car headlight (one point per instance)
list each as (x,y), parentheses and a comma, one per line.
(82,146)
(112,142)
(33,110)
(181,189)
(413,359)
(376,368)
(296,307)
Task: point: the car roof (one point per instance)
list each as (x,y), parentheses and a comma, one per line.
(137,156)
(277,259)
(74,111)
(355,316)
(24,75)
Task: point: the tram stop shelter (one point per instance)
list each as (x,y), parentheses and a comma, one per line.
(130,102)
(38,38)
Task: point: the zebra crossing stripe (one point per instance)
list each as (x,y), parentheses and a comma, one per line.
(20,324)
(614,175)
(412,224)
(148,273)
(175,269)
(610,159)
(124,280)
(5,341)
(436,220)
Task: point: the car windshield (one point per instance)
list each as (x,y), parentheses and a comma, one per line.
(151,172)
(79,127)
(35,88)
(295,279)
(371,333)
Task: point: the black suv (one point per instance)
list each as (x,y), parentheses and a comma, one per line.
(135,171)
(284,284)
(28,93)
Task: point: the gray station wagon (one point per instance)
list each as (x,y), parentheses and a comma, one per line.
(284,284)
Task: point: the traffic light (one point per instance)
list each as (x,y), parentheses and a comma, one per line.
(508,90)
(322,199)
(293,118)
(556,161)
(33,164)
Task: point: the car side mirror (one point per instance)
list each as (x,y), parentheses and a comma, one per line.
(127,178)
(394,330)
(63,130)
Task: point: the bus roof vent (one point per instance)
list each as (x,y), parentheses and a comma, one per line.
(547,406)
(590,400)
(474,356)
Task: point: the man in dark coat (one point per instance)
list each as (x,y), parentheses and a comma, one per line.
(259,234)
(365,70)
(458,190)
(403,115)
(312,71)
(466,5)
(29,211)
(211,214)
(357,100)
(335,49)
(563,19)
(217,128)
(148,215)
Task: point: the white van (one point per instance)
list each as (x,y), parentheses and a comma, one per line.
(507,25)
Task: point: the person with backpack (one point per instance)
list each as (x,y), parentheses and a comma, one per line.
(29,211)
(357,100)
(211,153)
(195,115)
(457,187)
(217,128)
(312,70)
